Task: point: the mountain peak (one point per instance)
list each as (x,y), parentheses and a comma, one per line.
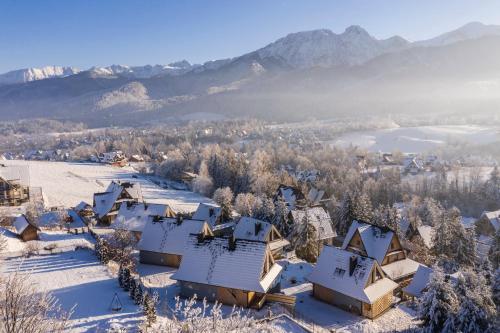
(356,30)
(472,30)
(32,74)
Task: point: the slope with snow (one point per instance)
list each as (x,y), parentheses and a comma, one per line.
(471,30)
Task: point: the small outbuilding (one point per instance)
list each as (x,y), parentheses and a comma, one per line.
(107,204)
(26,229)
(488,223)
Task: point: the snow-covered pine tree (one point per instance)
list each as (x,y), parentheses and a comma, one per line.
(304,241)
(138,295)
(495,289)
(345,214)
(362,207)
(149,308)
(437,304)
(120,276)
(476,308)
(494,253)
(280,220)
(131,286)
(126,278)
(224,197)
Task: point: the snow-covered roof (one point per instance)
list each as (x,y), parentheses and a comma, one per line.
(212,262)
(133,216)
(426,232)
(318,218)
(333,272)
(290,195)
(104,202)
(76,220)
(19,173)
(208,212)
(376,240)
(48,219)
(419,281)
(167,236)
(401,268)
(21,223)
(252,229)
(494,218)
(81,206)
(315,195)
(132,188)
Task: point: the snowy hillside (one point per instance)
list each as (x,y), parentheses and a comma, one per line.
(34,74)
(471,30)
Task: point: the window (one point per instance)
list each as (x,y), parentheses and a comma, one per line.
(339,272)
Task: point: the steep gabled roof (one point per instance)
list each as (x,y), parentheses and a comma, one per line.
(494,218)
(166,235)
(376,240)
(208,212)
(133,216)
(22,222)
(318,218)
(103,202)
(419,281)
(252,229)
(426,232)
(333,272)
(131,188)
(213,263)
(290,195)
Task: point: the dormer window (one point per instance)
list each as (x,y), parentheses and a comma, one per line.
(339,272)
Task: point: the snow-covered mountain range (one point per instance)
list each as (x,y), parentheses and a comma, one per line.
(317,72)
(34,74)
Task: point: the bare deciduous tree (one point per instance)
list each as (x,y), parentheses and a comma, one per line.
(23,308)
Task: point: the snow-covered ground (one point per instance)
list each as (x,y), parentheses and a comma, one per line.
(66,184)
(60,239)
(77,278)
(418,139)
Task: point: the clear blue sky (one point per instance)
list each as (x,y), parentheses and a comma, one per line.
(84,33)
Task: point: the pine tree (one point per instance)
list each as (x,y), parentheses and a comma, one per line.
(437,304)
(362,207)
(304,241)
(494,253)
(126,278)
(280,220)
(131,286)
(495,289)
(149,308)
(345,214)
(120,276)
(138,295)
(476,308)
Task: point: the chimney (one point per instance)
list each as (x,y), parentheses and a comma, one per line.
(232,243)
(258,228)
(353,262)
(179,219)
(201,237)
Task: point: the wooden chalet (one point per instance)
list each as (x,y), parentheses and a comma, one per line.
(25,229)
(233,272)
(352,282)
(133,216)
(252,229)
(319,219)
(107,204)
(488,223)
(164,240)
(12,192)
(383,245)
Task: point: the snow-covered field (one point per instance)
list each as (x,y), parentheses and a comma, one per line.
(418,139)
(66,184)
(60,240)
(77,278)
